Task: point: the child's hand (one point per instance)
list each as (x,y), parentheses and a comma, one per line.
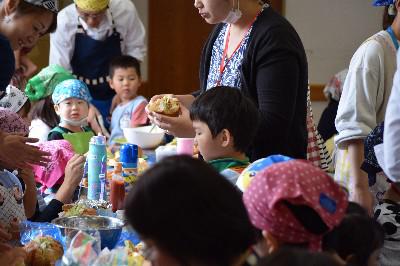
(15,151)
(73,176)
(74,170)
(27,175)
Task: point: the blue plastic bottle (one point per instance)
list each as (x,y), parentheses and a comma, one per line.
(97,164)
(129,160)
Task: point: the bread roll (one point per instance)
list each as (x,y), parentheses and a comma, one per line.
(77,210)
(43,251)
(167,105)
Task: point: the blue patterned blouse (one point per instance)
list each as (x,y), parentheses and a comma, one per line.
(231,74)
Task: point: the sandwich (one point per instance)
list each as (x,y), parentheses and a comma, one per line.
(43,251)
(78,209)
(167,105)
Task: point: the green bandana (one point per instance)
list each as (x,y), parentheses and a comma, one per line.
(42,85)
(225,163)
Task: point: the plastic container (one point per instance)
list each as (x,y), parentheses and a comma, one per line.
(185,146)
(164,151)
(117,194)
(97,163)
(129,156)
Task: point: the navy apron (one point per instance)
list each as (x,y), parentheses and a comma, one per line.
(90,63)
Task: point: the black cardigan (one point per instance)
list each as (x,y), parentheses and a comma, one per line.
(274,75)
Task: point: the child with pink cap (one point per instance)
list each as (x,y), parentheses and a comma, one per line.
(294,203)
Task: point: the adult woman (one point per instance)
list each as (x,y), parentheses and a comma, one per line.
(362,106)
(188,214)
(257,50)
(22,22)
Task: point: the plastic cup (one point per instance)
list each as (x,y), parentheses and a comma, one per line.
(164,151)
(184,146)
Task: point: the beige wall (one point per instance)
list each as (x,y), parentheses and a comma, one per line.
(331,31)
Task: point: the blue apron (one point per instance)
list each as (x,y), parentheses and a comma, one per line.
(90,63)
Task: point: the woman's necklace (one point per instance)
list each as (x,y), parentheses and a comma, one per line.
(225,59)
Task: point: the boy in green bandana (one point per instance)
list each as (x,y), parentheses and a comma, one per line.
(225,122)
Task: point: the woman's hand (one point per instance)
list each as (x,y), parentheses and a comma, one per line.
(28,67)
(15,151)
(73,175)
(25,63)
(180,126)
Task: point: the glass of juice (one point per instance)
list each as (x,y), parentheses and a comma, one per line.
(117,195)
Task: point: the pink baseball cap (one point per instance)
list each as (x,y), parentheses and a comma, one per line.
(294,183)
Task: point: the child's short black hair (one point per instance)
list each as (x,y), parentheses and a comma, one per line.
(227,108)
(297,257)
(124,61)
(44,110)
(191,212)
(358,235)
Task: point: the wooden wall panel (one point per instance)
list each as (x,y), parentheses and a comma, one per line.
(176,37)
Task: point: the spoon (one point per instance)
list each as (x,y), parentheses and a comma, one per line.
(152,128)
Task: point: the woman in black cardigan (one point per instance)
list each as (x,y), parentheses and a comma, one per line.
(257,50)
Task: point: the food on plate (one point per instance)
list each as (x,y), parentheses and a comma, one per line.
(43,251)
(166,105)
(77,209)
(134,253)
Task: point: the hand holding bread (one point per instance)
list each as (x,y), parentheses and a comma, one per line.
(166,105)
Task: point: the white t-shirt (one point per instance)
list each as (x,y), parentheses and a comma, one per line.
(367,88)
(391,133)
(364,99)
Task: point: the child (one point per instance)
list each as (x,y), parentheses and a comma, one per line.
(17,102)
(125,79)
(357,240)
(294,204)
(71,100)
(14,206)
(39,90)
(207,212)
(225,123)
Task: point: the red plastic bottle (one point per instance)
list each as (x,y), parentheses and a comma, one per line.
(117,195)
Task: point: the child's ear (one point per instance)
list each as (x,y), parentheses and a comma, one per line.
(57,109)
(226,138)
(272,242)
(11,6)
(110,82)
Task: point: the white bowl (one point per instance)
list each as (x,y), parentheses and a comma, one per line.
(142,136)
